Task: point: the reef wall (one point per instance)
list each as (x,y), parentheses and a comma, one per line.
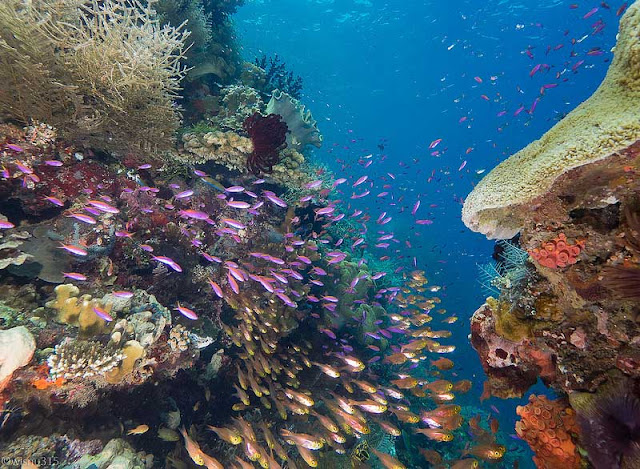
(570,200)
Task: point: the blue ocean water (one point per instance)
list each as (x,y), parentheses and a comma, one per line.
(389,78)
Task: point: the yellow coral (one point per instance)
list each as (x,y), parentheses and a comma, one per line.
(608,122)
(225,148)
(78,311)
(132,351)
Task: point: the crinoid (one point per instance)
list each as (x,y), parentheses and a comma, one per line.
(269,137)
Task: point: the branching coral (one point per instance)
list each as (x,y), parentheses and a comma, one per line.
(277,77)
(558,252)
(547,426)
(103,72)
(82,359)
(269,135)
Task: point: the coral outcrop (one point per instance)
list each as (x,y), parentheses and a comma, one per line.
(548,426)
(82,359)
(600,134)
(79,310)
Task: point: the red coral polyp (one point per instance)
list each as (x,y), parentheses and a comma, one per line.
(269,136)
(558,252)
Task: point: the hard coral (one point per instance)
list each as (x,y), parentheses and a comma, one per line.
(269,136)
(596,131)
(548,427)
(558,252)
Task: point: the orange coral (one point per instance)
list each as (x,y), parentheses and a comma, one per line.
(558,252)
(547,426)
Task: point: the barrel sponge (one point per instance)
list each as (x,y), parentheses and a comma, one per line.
(606,123)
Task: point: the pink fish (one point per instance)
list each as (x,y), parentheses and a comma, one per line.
(195,214)
(102,206)
(314,184)
(122,294)
(5,225)
(24,168)
(101,313)
(146,247)
(233,223)
(232,283)
(186,312)
(590,13)
(77,250)
(184,194)
(15,148)
(74,276)
(435,143)
(518,111)
(424,222)
(144,166)
(533,105)
(271,197)
(360,181)
(359,196)
(54,201)
(168,261)
(415,208)
(324,210)
(234,189)
(53,163)
(238,204)
(534,70)
(83,218)
(464,163)
(216,288)
(328,332)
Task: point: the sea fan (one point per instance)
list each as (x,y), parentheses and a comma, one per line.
(610,426)
(269,136)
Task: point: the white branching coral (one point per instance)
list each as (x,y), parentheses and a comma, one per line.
(82,359)
(101,71)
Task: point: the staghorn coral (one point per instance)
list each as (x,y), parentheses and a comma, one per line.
(73,359)
(103,72)
(303,128)
(268,135)
(547,426)
(599,129)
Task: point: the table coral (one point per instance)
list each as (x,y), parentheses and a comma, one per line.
(558,252)
(548,427)
(600,128)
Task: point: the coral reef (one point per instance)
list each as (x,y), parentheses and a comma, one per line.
(303,129)
(548,426)
(107,78)
(600,132)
